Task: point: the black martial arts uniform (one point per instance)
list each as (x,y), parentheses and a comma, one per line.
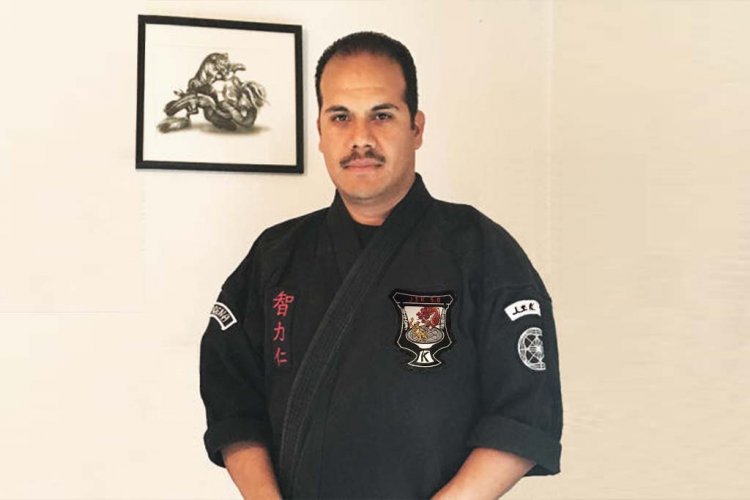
(451,346)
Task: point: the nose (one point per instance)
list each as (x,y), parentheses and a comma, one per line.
(361,135)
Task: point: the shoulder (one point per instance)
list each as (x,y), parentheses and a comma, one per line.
(286,235)
(484,247)
(466,229)
(275,244)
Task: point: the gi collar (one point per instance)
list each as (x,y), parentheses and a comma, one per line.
(342,230)
(300,446)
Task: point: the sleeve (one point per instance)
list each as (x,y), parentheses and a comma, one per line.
(231,370)
(519,378)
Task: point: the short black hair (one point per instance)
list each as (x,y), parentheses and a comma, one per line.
(370,42)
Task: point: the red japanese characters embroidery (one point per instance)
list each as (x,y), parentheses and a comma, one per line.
(280,357)
(281,303)
(278,332)
(280,320)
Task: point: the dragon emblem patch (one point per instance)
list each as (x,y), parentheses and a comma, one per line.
(424,326)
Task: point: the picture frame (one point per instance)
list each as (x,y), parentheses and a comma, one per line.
(219,95)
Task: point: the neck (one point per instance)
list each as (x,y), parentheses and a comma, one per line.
(374,212)
(369,215)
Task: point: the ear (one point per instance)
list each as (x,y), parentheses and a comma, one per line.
(418,129)
(317,124)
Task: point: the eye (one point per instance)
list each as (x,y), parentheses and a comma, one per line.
(340,117)
(382,116)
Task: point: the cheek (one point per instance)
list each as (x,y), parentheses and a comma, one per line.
(398,141)
(401,146)
(331,151)
(330,139)
(324,144)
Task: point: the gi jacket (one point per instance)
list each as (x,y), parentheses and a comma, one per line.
(449,345)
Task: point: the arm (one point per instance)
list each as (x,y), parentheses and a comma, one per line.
(250,468)
(486,473)
(521,409)
(238,430)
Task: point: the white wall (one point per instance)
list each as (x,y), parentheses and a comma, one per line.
(651,245)
(609,137)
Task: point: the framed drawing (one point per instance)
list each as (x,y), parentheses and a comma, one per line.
(219,95)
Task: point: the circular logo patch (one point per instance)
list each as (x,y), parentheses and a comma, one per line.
(531,349)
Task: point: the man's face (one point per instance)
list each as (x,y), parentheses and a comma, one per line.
(366,134)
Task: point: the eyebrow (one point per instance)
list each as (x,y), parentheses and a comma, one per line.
(381,107)
(344,109)
(336,109)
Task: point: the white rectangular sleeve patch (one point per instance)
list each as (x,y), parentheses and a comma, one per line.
(523,308)
(221,313)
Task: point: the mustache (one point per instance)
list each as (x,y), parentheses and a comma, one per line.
(369,153)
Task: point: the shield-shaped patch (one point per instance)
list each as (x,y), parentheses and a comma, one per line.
(424,326)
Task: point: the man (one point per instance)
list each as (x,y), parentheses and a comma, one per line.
(392,345)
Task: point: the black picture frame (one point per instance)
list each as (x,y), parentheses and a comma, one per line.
(217,91)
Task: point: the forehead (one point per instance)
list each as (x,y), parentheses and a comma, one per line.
(361,75)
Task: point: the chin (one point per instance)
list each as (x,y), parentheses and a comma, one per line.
(362,195)
(359,187)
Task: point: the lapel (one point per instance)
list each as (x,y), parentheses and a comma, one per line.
(343,236)
(307,404)
(341,229)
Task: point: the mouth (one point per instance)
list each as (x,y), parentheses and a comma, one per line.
(362,163)
(369,159)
